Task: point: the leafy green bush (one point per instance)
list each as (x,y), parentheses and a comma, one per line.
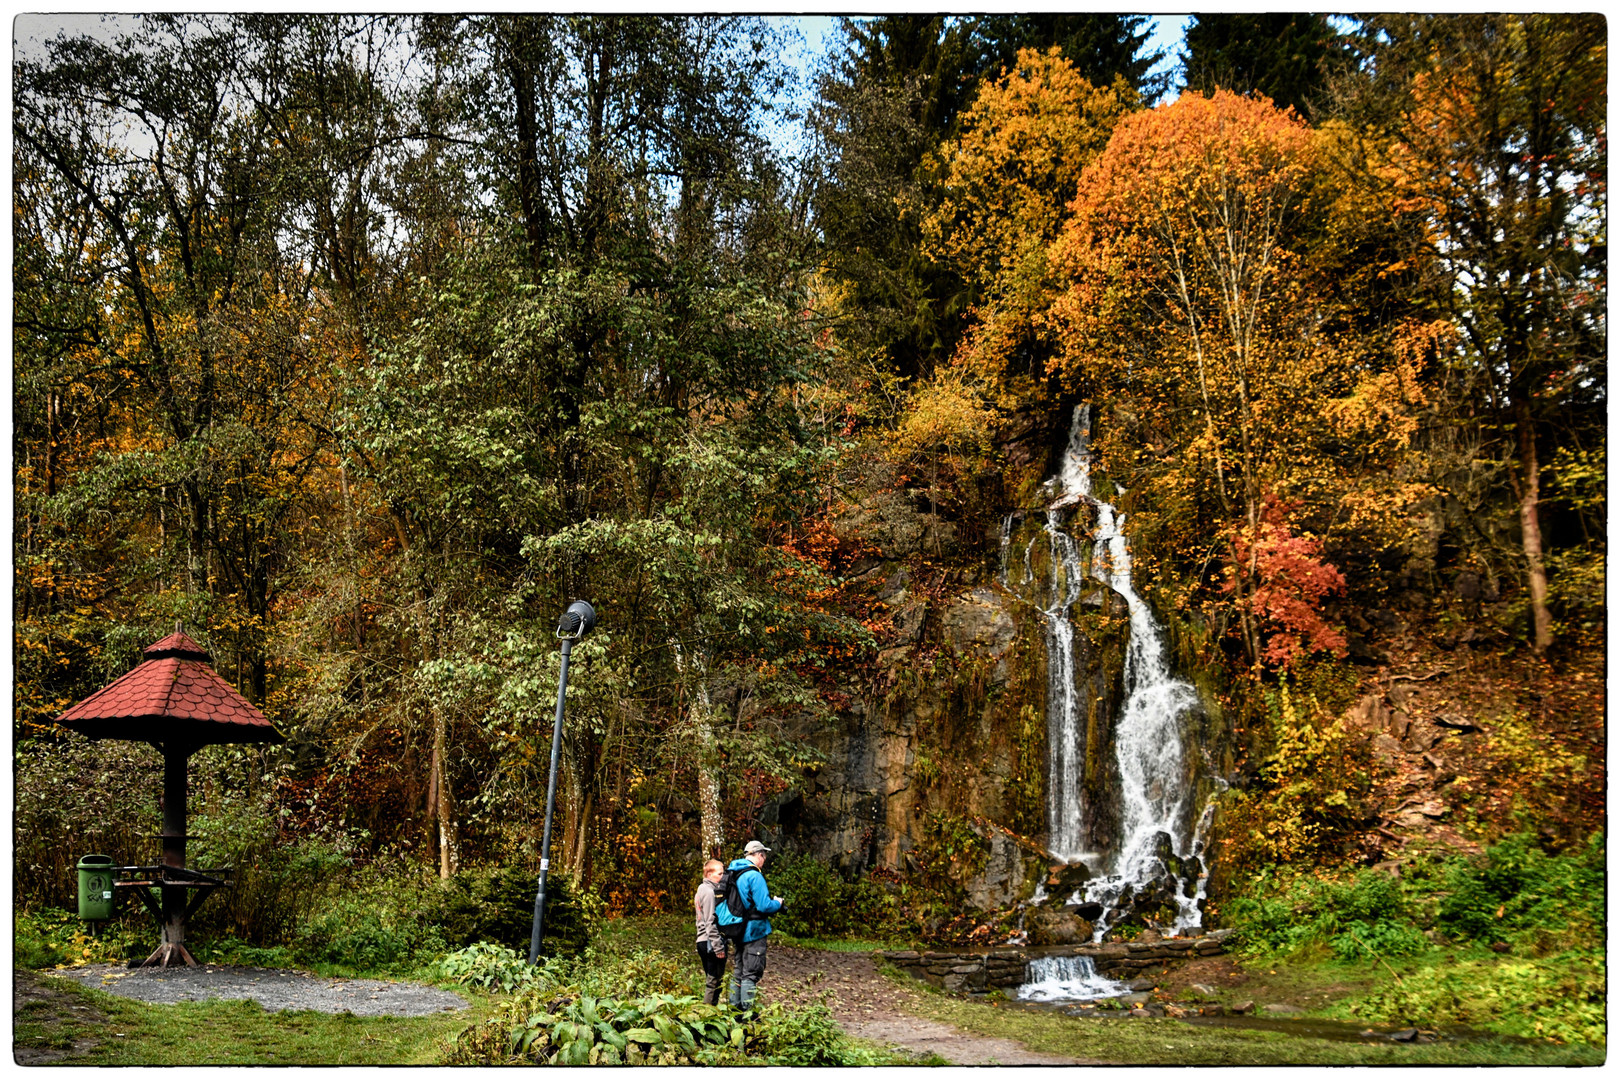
(657,1030)
(1366,916)
(1367,941)
(33,945)
(822,904)
(803,1037)
(818,900)
(1518,891)
(490,966)
(47,937)
(553,1025)
(275,888)
(498,905)
(1560,998)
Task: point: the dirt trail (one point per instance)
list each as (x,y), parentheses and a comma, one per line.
(868,1006)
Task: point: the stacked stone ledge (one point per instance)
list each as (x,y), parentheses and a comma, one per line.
(980,971)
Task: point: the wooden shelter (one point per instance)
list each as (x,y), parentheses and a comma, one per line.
(176,702)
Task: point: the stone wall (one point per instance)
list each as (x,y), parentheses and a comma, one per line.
(979,971)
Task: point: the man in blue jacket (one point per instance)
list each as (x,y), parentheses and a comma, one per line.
(757,902)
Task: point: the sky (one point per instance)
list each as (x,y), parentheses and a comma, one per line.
(818,33)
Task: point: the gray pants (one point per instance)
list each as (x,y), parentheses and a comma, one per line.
(747,971)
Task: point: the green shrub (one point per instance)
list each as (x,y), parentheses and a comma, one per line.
(489,966)
(275,888)
(818,900)
(804,1037)
(1363,917)
(47,937)
(1517,891)
(1367,941)
(822,904)
(1560,998)
(552,1026)
(658,1030)
(498,905)
(373,924)
(236,951)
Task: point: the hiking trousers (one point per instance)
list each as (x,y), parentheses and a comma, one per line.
(746,973)
(714,973)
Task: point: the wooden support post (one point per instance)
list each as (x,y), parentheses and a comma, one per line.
(173,949)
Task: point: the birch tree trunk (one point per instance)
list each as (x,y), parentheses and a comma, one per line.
(701,718)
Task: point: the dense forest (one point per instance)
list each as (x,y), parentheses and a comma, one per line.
(362,345)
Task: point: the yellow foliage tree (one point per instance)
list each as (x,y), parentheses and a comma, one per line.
(1007,181)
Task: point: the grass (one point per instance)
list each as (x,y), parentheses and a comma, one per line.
(1171,1042)
(118,1031)
(77,1025)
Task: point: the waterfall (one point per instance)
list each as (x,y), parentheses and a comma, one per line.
(1067,978)
(1157,838)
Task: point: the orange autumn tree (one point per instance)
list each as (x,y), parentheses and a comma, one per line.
(1188,309)
(1008,179)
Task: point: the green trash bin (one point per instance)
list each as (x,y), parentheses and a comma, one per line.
(95,887)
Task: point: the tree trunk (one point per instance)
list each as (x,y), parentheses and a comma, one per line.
(708,769)
(1530,526)
(708,763)
(444,806)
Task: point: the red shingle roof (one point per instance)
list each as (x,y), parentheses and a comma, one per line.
(177,644)
(173,694)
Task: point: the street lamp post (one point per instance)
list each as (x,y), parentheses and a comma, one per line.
(575,623)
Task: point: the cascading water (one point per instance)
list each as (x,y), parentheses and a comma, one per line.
(1158,846)
(1067,978)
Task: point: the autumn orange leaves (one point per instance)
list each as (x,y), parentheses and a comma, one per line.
(1154,262)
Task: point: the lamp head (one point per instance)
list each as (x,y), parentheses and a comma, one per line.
(577,621)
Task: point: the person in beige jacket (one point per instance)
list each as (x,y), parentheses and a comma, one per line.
(711,947)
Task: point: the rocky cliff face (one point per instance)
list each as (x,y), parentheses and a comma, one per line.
(948,732)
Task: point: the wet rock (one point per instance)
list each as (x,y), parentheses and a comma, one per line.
(1138,1013)
(1049,927)
(1405,1035)
(908,622)
(1067,878)
(1179,1012)
(1242,1008)
(1212,1010)
(978,621)
(1134,999)
(1139,985)
(893,590)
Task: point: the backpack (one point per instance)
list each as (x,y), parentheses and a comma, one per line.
(729,890)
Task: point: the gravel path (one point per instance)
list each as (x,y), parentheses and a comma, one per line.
(274,988)
(868,1006)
